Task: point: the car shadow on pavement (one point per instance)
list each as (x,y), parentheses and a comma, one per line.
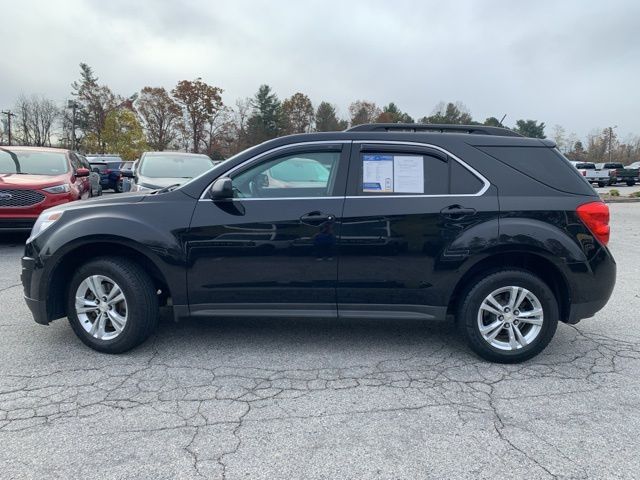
(352,335)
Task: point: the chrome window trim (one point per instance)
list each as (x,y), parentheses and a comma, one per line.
(477,174)
(268,152)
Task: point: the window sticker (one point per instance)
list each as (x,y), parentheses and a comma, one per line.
(408,174)
(377,173)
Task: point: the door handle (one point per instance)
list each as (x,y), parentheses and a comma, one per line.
(317,218)
(457,211)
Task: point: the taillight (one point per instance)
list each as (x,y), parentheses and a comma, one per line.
(595,216)
(584,173)
(107,171)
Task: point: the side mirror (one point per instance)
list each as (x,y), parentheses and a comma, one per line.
(127,173)
(222,189)
(82,172)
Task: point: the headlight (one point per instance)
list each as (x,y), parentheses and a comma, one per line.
(44,221)
(64,188)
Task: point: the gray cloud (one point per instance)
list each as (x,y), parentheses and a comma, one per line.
(572,63)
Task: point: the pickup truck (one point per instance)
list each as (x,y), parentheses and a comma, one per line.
(591,174)
(618,173)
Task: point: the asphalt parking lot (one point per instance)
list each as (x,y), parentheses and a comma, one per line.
(266,399)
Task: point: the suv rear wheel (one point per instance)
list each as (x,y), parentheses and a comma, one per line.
(508,316)
(112,305)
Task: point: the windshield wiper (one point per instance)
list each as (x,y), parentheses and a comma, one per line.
(168,188)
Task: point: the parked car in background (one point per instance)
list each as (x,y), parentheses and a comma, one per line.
(125,182)
(157,170)
(388,221)
(634,165)
(618,173)
(108,166)
(33,179)
(589,171)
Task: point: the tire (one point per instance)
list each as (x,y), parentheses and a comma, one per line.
(536,337)
(139,306)
(118,188)
(602,184)
(630,183)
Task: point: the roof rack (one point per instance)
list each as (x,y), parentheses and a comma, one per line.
(432,127)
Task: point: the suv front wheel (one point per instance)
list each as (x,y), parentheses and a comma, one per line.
(508,316)
(112,305)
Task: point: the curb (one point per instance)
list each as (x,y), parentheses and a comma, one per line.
(608,199)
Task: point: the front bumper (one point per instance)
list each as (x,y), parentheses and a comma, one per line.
(28,277)
(38,310)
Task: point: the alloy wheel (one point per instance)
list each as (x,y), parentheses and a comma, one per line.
(101,307)
(510,318)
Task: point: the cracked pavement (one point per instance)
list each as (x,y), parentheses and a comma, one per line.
(265,399)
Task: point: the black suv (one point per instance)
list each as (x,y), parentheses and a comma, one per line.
(471,223)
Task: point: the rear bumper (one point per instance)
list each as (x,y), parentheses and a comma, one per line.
(592,288)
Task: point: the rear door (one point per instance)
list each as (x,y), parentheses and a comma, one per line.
(413,215)
(272,248)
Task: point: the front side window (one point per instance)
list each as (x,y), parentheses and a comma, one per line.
(32,162)
(297,175)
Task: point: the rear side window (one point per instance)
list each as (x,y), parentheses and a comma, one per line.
(543,164)
(462,181)
(399,173)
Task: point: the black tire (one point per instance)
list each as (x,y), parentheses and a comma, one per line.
(480,288)
(602,184)
(630,183)
(141,302)
(118,188)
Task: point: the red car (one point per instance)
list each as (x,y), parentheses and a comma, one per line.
(35,178)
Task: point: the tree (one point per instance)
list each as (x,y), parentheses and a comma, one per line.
(449,114)
(160,115)
(392,114)
(298,113)
(327,119)
(36,118)
(123,134)
(530,128)
(559,136)
(200,102)
(363,111)
(266,120)
(492,122)
(96,102)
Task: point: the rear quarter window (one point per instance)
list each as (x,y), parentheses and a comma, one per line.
(544,164)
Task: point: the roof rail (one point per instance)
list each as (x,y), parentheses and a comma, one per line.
(432,127)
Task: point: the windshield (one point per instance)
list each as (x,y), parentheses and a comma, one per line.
(33,162)
(178,166)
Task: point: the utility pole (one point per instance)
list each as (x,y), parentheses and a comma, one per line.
(611,140)
(9,114)
(73,105)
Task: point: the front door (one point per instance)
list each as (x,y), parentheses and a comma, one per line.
(271,250)
(412,216)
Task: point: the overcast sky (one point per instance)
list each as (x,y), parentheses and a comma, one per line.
(573,63)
